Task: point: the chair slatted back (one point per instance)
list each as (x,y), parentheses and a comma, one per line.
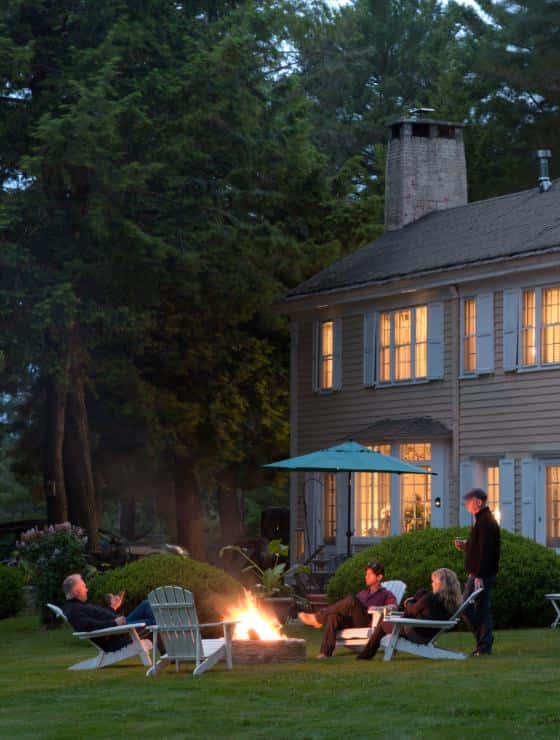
(175,611)
(457,616)
(57,611)
(397,588)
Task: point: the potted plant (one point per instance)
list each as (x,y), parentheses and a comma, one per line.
(271,584)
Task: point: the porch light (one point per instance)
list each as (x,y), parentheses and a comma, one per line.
(437,502)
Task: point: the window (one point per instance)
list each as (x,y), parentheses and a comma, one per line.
(327,354)
(552,482)
(403,345)
(373,498)
(540,327)
(493,490)
(469,335)
(329,509)
(299,544)
(416,490)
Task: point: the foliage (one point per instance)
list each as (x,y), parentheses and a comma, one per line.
(272,580)
(52,553)
(11,593)
(527,571)
(213,589)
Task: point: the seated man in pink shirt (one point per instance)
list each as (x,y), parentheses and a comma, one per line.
(352,611)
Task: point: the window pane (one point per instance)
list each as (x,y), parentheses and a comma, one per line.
(493,490)
(327,343)
(417,452)
(550,322)
(528,330)
(329,509)
(403,332)
(415,502)
(469,336)
(385,348)
(553,505)
(421,350)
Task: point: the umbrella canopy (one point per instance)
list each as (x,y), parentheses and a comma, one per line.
(349,457)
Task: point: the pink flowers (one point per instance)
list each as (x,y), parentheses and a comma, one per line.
(34,535)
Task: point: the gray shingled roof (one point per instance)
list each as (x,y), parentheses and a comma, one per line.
(419,427)
(501,227)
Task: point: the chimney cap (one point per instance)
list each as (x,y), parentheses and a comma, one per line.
(543,154)
(411,119)
(421,112)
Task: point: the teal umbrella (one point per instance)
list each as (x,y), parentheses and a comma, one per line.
(349,457)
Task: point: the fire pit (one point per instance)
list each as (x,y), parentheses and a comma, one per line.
(268,651)
(258,637)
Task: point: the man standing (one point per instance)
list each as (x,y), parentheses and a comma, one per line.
(351,611)
(482,554)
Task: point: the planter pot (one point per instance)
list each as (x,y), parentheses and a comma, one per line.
(280,606)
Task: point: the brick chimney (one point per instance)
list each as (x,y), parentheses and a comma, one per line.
(426,169)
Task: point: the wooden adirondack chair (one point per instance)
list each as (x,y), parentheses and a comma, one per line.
(395,643)
(357,637)
(137,647)
(180,631)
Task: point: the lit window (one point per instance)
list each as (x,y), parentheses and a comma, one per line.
(373,497)
(326,354)
(550,322)
(540,327)
(329,509)
(528,329)
(416,490)
(493,490)
(299,544)
(553,505)
(403,345)
(469,335)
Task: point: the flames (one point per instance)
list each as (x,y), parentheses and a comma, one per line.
(255,623)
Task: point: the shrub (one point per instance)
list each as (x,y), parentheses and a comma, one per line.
(11,591)
(213,588)
(527,572)
(52,553)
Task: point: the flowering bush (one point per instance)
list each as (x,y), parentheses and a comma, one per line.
(52,553)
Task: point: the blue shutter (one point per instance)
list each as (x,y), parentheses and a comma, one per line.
(435,341)
(465,484)
(507,494)
(485,333)
(369,348)
(511,329)
(528,489)
(315,360)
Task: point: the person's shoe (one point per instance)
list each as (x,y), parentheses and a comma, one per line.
(478,653)
(321,656)
(309,619)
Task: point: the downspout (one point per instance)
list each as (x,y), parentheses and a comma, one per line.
(456,394)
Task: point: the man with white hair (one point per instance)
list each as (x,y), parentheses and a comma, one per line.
(85,617)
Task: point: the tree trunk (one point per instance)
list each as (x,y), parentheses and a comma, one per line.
(231,523)
(53,469)
(188,510)
(77,456)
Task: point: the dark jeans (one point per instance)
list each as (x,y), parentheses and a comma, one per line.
(142,613)
(348,612)
(479,615)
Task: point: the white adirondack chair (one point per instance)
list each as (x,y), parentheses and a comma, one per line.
(395,643)
(357,637)
(178,626)
(137,647)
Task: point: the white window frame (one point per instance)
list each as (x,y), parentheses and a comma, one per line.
(336,356)
(539,365)
(407,381)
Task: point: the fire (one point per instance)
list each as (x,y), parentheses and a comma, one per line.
(255,624)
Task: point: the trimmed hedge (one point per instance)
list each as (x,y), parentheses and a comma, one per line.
(11,591)
(213,588)
(527,572)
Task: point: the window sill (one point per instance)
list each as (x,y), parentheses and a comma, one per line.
(397,383)
(537,369)
(326,391)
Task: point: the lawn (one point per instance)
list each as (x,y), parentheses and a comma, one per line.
(513,693)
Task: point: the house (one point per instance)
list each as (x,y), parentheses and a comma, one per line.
(438,343)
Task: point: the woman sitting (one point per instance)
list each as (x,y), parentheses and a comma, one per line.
(443,601)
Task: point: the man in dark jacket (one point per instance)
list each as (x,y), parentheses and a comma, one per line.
(482,555)
(86,617)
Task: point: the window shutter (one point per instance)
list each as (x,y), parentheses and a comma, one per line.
(511,330)
(485,333)
(465,484)
(315,359)
(369,349)
(507,494)
(337,357)
(528,489)
(435,341)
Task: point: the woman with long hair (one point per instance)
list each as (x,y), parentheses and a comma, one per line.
(440,603)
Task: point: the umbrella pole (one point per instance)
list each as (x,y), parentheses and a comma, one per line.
(349,531)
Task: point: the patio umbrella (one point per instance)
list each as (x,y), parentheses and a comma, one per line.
(348,457)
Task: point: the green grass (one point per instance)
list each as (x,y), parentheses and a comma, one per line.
(513,693)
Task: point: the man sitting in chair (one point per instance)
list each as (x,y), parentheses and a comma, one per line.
(352,611)
(86,617)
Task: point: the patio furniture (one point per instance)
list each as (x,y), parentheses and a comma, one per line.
(180,631)
(395,643)
(137,647)
(554,600)
(357,637)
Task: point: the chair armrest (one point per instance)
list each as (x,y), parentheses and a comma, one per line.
(195,626)
(118,630)
(435,623)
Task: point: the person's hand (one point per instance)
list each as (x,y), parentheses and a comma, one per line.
(120,620)
(478,583)
(459,543)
